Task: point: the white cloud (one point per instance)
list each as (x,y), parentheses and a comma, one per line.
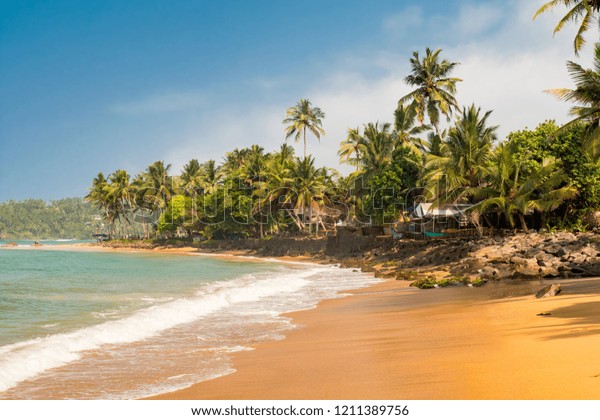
(475,19)
(161,103)
(505,69)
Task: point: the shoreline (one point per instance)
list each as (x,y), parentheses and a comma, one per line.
(389,341)
(458,343)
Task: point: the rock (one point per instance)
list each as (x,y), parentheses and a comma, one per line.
(589,269)
(566,237)
(548,291)
(577,258)
(542,256)
(367,269)
(552,249)
(497,272)
(590,251)
(560,252)
(549,271)
(592,219)
(494,253)
(527,267)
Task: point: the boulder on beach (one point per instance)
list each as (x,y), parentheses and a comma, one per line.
(526,267)
(549,291)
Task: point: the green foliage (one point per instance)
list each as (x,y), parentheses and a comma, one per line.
(431,283)
(178,214)
(586,11)
(531,147)
(527,146)
(389,185)
(38,219)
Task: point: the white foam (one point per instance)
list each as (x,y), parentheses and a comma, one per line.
(25,360)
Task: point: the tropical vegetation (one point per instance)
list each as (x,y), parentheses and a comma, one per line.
(69,218)
(584,10)
(549,176)
(433,150)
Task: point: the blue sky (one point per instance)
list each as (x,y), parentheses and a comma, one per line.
(89,86)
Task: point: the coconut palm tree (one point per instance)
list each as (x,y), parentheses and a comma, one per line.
(587,95)
(98,195)
(350,148)
(584,10)
(406,132)
(506,191)
(463,159)
(306,187)
(191,178)
(435,89)
(304,117)
(378,147)
(211,176)
(120,196)
(158,186)
(234,160)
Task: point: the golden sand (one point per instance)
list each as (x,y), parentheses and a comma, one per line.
(392,342)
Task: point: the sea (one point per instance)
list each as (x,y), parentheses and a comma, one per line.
(89,324)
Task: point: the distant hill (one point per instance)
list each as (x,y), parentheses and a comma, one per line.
(39,219)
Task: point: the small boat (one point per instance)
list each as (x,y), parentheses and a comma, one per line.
(433,234)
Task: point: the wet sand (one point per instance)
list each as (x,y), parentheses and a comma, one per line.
(392,342)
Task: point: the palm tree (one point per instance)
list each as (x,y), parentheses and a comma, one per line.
(435,89)
(158,186)
(405,130)
(306,187)
(99,196)
(143,212)
(587,94)
(191,178)
(120,196)
(463,159)
(543,190)
(350,148)
(586,10)
(377,146)
(211,176)
(234,160)
(304,117)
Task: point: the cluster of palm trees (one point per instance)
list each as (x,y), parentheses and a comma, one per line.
(465,163)
(253,192)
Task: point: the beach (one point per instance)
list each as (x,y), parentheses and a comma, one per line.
(391,342)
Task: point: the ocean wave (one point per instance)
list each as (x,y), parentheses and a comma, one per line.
(25,360)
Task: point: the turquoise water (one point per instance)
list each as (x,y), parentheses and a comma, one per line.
(29,242)
(49,291)
(95,324)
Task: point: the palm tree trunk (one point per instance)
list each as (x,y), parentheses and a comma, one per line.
(437,130)
(304,141)
(296,220)
(523,223)
(262,233)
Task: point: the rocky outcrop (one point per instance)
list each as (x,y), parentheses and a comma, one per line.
(549,291)
(519,256)
(536,255)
